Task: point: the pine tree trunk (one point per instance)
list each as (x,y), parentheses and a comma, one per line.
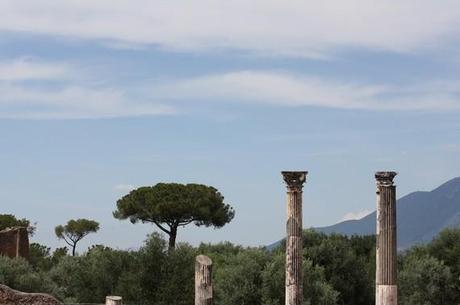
(172,238)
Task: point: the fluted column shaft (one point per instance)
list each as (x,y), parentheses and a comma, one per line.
(203,281)
(294,278)
(386,243)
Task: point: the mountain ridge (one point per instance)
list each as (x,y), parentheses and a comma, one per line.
(421,215)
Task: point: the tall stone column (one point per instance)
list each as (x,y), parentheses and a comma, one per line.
(294,284)
(386,292)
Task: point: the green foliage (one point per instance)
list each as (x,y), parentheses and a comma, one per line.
(221,252)
(39,257)
(106,266)
(315,287)
(170,205)
(273,280)
(9,221)
(347,265)
(149,270)
(58,254)
(71,279)
(76,230)
(178,275)
(91,277)
(430,274)
(239,279)
(446,248)
(19,274)
(160,277)
(337,270)
(425,281)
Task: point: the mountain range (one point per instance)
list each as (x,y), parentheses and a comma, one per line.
(420,216)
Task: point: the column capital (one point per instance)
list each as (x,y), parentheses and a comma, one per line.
(385,178)
(294,179)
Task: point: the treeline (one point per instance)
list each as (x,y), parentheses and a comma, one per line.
(338,270)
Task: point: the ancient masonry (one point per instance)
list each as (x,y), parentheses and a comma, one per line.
(14,242)
(386,255)
(203,280)
(294,279)
(113,300)
(9,296)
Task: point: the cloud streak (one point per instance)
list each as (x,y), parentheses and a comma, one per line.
(22,69)
(73,102)
(293,28)
(57,94)
(31,89)
(292,90)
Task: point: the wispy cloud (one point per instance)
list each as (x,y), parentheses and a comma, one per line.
(20,69)
(70,99)
(355,215)
(299,28)
(293,90)
(73,103)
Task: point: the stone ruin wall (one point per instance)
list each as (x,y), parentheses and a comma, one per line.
(14,242)
(9,296)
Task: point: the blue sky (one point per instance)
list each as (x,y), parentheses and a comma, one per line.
(99,98)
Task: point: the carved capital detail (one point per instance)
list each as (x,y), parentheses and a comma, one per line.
(295,180)
(385,178)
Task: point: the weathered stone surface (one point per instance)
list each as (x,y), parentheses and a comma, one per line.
(113,300)
(294,280)
(203,281)
(386,295)
(386,251)
(14,242)
(10,296)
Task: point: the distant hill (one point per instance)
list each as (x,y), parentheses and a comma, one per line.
(420,216)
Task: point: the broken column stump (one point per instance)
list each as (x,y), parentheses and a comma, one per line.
(386,247)
(203,281)
(10,296)
(113,300)
(294,278)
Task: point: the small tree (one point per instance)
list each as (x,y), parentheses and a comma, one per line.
(170,205)
(75,230)
(9,221)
